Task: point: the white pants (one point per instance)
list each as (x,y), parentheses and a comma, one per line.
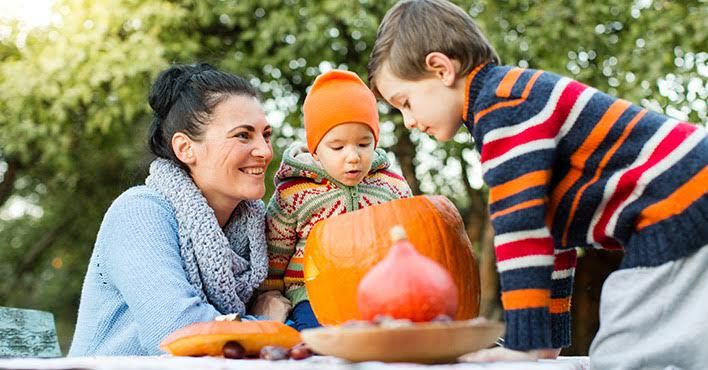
(654,317)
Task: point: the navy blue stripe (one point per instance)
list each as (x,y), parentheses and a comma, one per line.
(531,218)
(530,193)
(561,288)
(515,167)
(538,277)
(521,82)
(584,124)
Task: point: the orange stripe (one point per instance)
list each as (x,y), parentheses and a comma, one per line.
(510,103)
(507,83)
(559,305)
(291,190)
(519,184)
(578,158)
(677,202)
(606,158)
(468,82)
(526,298)
(518,207)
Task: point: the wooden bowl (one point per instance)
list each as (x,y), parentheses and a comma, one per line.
(433,342)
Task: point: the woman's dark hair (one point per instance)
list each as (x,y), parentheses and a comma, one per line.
(182,99)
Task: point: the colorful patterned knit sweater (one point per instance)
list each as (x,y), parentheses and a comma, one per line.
(305,194)
(569,166)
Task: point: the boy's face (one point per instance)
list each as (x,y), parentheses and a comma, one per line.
(429,104)
(346,152)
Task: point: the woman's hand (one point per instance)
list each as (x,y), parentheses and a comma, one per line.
(273,305)
(505,354)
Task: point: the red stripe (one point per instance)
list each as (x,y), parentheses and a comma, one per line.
(392,174)
(545,130)
(565,260)
(294,274)
(628,181)
(524,247)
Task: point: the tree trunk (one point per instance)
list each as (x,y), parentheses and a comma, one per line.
(8,180)
(480,232)
(490,302)
(405,153)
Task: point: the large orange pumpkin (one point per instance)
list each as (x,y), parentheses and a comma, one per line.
(341,249)
(208,338)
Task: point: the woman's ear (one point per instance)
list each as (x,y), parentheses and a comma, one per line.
(442,67)
(183,148)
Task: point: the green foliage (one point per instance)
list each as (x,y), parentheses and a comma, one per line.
(73,97)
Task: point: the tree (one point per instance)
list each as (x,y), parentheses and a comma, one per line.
(73,97)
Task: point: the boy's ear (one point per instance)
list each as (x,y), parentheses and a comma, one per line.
(442,66)
(182,146)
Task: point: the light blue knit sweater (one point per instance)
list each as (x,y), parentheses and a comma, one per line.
(136,290)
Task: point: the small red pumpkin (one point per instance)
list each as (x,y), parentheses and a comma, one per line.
(406,285)
(342,249)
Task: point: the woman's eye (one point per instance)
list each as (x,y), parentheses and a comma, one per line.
(267,135)
(242,135)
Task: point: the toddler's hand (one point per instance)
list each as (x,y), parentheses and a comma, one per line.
(273,305)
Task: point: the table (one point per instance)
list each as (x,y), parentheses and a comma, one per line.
(313,363)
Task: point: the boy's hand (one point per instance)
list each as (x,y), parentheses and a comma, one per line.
(273,305)
(505,354)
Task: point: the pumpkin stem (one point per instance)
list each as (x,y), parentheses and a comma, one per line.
(398,233)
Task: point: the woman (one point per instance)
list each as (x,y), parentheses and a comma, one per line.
(189,245)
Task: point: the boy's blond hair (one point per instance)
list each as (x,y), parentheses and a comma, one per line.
(412,29)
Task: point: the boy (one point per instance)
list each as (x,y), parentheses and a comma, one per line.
(567,166)
(338,171)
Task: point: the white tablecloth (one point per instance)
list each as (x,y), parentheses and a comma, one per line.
(313,363)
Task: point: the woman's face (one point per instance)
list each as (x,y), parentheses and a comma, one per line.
(230,160)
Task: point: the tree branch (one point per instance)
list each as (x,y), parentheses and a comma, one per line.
(35,253)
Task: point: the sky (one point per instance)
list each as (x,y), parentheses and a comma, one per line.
(32,13)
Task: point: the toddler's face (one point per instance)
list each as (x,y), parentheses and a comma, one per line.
(346,152)
(428,104)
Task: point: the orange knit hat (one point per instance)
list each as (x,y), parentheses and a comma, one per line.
(338,97)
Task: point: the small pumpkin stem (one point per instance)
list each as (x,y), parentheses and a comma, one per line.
(398,233)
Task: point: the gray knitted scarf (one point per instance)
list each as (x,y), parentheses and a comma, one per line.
(224,266)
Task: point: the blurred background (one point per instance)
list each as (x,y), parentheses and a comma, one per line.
(74,77)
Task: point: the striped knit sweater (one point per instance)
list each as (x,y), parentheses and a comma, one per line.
(305,194)
(569,166)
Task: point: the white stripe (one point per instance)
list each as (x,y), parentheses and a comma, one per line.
(520,235)
(580,104)
(562,274)
(523,262)
(536,120)
(564,251)
(611,186)
(518,151)
(650,174)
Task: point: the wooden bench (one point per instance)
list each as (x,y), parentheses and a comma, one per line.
(27,333)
